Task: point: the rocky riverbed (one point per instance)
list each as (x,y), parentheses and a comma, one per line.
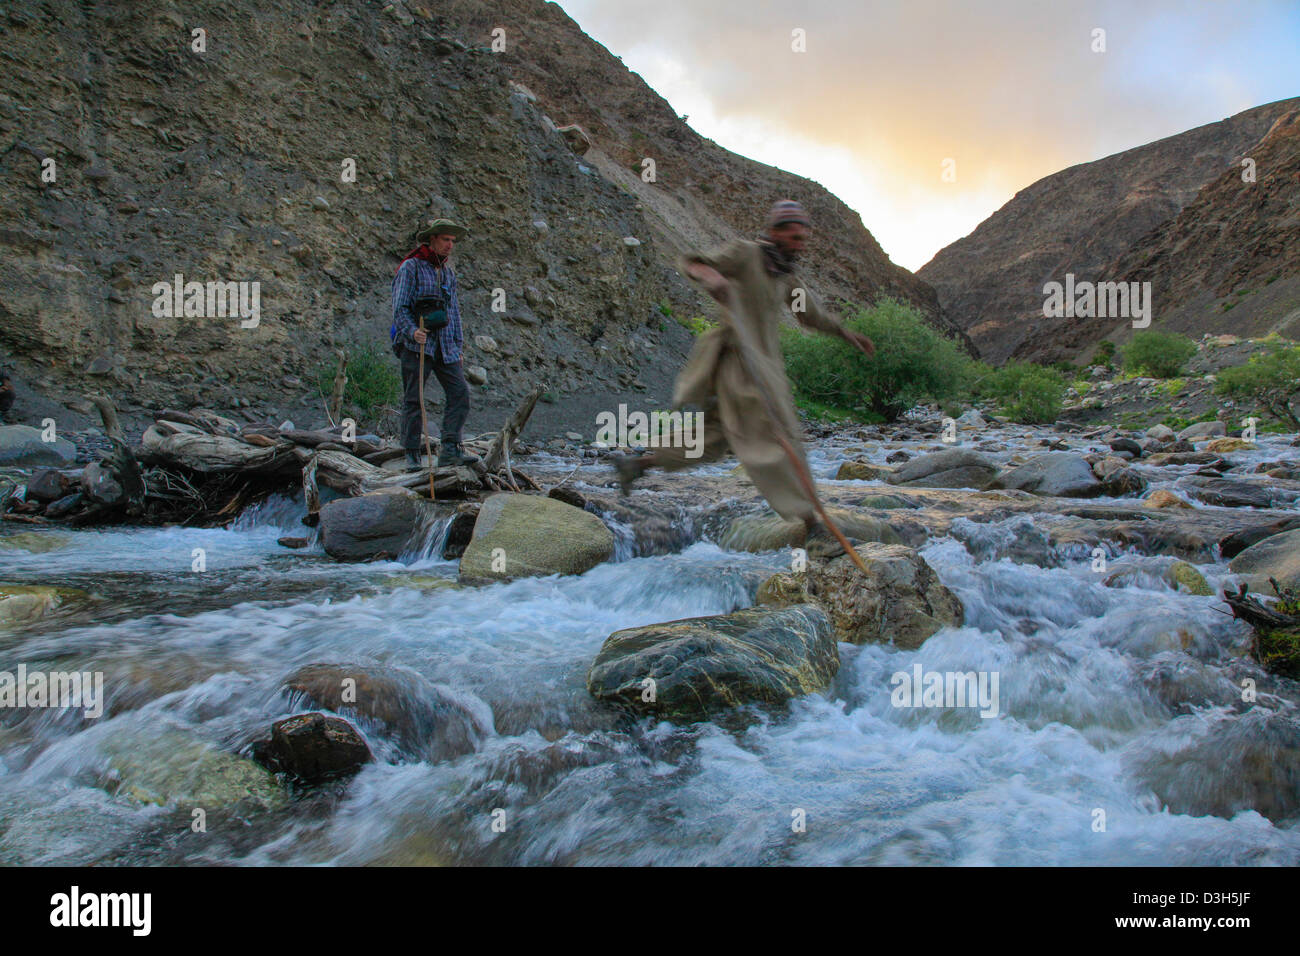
(511,721)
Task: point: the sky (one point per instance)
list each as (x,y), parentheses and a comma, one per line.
(925,116)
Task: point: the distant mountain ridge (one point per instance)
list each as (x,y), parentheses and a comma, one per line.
(1097,221)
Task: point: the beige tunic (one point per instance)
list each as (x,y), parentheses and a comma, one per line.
(727,386)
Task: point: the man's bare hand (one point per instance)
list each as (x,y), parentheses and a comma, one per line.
(714,282)
(420,336)
(862,343)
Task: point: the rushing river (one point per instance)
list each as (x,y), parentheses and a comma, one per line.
(193,663)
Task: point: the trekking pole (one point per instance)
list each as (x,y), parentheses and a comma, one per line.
(805,478)
(424,419)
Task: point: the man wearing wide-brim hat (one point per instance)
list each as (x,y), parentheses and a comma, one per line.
(425,283)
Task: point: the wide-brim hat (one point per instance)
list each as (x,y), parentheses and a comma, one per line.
(439,227)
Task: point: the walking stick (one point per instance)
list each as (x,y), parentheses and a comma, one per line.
(424,419)
(805,478)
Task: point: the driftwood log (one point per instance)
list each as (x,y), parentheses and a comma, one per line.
(1259,615)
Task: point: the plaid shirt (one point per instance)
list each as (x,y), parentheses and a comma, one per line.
(416,279)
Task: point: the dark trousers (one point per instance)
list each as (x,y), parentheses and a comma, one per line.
(454,386)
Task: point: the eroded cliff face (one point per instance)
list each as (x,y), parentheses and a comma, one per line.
(231,163)
(1230,260)
(1080,221)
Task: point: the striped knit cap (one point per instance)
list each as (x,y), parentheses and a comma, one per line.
(787,210)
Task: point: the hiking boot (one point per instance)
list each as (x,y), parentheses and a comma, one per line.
(454,455)
(821,545)
(414,460)
(628,468)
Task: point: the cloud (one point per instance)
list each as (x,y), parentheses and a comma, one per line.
(1011,90)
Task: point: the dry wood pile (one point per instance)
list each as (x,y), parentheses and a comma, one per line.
(198,467)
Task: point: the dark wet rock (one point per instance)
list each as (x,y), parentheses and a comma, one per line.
(897,456)
(1126,444)
(49,484)
(886,502)
(1058,474)
(425,721)
(316,747)
(65,505)
(291,542)
(374,527)
(100,486)
(1230,763)
(700,666)
(1182,458)
(1123,483)
(1277,556)
(529,535)
(1227,493)
(769,532)
(900,600)
(1238,541)
(22,446)
(950,468)
(459,533)
(568,495)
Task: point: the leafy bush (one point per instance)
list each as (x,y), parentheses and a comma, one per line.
(698,324)
(913,363)
(374,380)
(1105,354)
(1270,379)
(1158,354)
(1025,392)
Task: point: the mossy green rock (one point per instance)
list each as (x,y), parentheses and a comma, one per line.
(693,668)
(175,767)
(35,542)
(519,536)
(1186,578)
(769,532)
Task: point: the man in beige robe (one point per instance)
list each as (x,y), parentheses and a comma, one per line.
(735,364)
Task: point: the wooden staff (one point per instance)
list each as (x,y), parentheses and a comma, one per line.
(424,419)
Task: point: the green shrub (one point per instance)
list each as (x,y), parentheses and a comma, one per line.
(1270,379)
(698,324)
(374,380)
(1105,354)
(1158,354)
(1025,392)
(913,363)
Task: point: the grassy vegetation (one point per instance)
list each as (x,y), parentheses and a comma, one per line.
(374,381)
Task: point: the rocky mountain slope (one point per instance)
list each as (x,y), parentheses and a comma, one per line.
(1231,258)
(230,164)
(1080,221)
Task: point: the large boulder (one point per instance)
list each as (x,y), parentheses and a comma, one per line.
(693,668)
(1203,430)
(770,532)
(1239,540)
(899,600)
(1058,474)
(22,446)
(519,536)
(374,527)
(1277,556)
(424,721)
(1227,493)
(950,468)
